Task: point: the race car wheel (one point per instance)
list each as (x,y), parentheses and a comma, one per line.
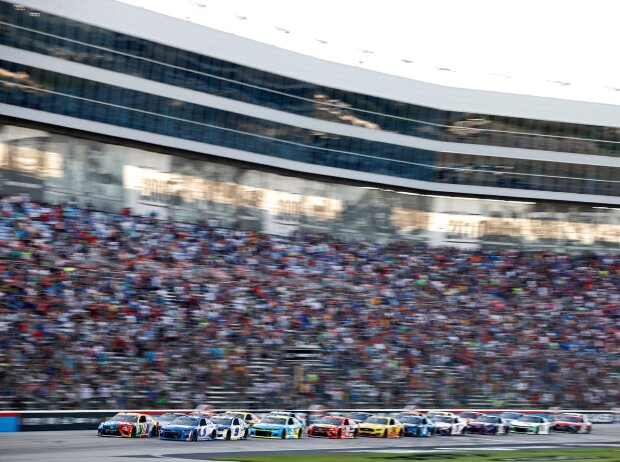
(339,435)
(537,431)
(589,429)
(194,436)
(385,434)
(214,434)
(355,433)
(246,435)
(300,433)
(401,433)
(283,434)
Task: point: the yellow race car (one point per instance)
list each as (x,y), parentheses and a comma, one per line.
(381,427)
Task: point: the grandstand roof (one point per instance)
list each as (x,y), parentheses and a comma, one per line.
(520,50)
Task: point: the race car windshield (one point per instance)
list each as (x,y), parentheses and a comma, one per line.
(274,420)
(568,418)
(488,419)
(358,416)
(443,418)
(168,417)
(530,418)
(222,421)
(412,419)
(468,415)
(330,421)
(377,420)
(511,415)
(124,418)
(186,420)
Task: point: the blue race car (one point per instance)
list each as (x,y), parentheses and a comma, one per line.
(416,425)
(277,426)
(189,428)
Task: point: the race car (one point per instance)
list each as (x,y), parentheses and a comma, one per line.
(416,424)
(277,426)
(381,427)
(359,417)
(249,418)
(531,424)
(301,419)
(571,422)
(488,425)
(448,425)
(334,427)
(470,416)
(230,428)
(165,419)
(189,428)
(510,416)
(128,425)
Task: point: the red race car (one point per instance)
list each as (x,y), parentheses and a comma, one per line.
(571,423)
(333,427)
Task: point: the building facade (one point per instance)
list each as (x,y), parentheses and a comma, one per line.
(107,103)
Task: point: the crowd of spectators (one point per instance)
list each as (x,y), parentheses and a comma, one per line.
(123,311)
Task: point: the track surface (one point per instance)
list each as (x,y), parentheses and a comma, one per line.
(86,446)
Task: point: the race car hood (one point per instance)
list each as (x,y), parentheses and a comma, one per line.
(373,426)
(443,424)
(178,427)
(116,423)
(520,423)
(260,426)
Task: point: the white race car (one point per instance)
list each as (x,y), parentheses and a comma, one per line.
(449,425)
(230,428)
(531,424)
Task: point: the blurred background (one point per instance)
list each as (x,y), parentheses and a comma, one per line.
(244,206)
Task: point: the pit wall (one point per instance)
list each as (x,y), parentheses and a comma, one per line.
(25,421)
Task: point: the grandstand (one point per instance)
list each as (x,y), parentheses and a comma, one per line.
(437,245)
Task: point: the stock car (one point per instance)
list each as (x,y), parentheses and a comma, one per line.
(230,428)
(277,426)
(334,427)
(488,425)
(128,425)
(448,425)
(189,428)
(510,416)
(165,419)
(249,418)
(571,422)
(530,424)
(301,419)
(416,424)
(381,427)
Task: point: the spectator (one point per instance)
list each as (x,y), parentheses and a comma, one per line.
(100,310)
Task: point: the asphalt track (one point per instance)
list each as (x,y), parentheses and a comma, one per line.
(87,446)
